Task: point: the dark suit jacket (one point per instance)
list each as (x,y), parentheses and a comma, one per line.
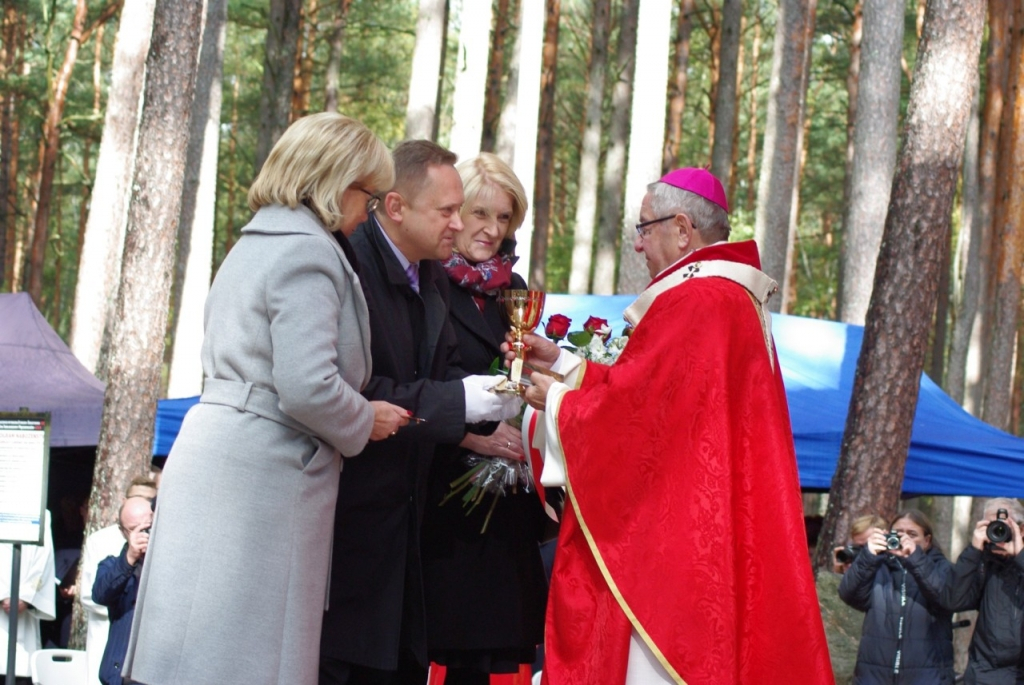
(376,612)
(116,587)
(462,567)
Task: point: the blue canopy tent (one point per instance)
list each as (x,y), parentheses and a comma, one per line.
(951,452)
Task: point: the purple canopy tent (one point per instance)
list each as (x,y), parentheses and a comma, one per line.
(38,371)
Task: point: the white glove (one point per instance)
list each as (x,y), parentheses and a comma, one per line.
(483,405)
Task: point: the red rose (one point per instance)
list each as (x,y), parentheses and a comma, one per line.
(594,325)
(557,327)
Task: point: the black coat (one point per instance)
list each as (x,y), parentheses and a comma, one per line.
(878,584)
(484,591)
(995,587)
(376,612)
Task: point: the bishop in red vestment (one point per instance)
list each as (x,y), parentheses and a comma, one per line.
(682,556)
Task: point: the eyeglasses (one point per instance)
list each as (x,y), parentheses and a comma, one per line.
(373,202)
(642,229)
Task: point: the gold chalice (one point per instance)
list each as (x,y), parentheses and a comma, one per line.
(521,310)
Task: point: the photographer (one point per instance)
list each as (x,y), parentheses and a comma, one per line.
(117,583)
(989,577)
(861,527)
(898,579)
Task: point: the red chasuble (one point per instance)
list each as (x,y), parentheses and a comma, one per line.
(684,518)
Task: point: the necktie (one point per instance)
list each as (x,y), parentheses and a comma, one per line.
(413,272)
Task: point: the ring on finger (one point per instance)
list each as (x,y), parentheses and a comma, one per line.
(508,445)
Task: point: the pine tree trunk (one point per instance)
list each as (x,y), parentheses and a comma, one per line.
(505,141)
(197,218)
(590,154)
(544,182)
(48,161)
(646,134)
(471,80)
(495,72)
(11,47)
(677,86)
(1008,237)
(129,409)
(99,264)
(852,83)
(966,267)
(996,75)
(782,136)
(725,95)
(278,74)
(752,117)
(610,217)
(874,152)
(427,69)
(302,81)
(337,41)
(869,474)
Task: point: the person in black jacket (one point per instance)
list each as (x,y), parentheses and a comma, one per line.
(989,577)
(374,628)
(907,635)
(485,591)
(117,583)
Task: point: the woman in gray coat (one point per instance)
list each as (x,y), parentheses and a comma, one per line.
(235,578)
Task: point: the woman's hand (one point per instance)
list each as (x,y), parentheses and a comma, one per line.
(907,547)
(506,442)
(876,541)
(387,419)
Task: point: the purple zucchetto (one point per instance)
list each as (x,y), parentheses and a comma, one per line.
(700,182)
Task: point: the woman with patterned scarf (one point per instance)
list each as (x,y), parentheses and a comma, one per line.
(485,591)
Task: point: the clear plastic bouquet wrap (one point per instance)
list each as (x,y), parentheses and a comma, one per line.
(494,476)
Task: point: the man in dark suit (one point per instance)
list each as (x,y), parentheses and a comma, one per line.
(374,628)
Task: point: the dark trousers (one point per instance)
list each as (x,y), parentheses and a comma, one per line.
(466,676)
(334,672)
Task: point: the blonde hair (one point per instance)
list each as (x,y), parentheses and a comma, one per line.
(863,524)
(486,170)
(316,159)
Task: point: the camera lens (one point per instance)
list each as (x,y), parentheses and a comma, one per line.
(892,540)
(847,554)
(998,531)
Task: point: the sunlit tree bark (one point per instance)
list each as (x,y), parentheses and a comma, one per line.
(590,152)
(646,133)
(544,184)
(869,474)
(471,79)
(782,137)
(1008,238)
(129,408)
(677,85)
(874,152)
(278,75)
(337,41)
(99,264)
(427,65)
(193,264)
(725,94)
(615,158)
(524,118)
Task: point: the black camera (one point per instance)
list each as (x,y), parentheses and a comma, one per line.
(999,530)
(847,554)
(892,540)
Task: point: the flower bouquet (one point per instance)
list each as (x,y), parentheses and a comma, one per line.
(593,343)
